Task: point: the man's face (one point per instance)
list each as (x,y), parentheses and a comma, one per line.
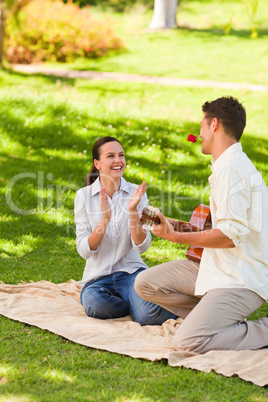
(206,136)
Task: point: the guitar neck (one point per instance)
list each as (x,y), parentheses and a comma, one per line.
(179,226)
(200,220)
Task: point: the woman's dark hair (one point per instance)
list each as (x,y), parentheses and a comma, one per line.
(94,173)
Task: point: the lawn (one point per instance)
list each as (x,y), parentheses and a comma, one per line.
(47,128)
(213,41)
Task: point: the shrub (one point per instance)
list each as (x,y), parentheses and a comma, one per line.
(53,31)
(116,5)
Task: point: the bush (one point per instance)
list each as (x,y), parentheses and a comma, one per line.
(116,5)
(53,31)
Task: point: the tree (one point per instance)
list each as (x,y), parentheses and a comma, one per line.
(164,16)
(2,32)
(13,6)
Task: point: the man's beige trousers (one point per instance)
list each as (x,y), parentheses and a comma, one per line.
(216,320)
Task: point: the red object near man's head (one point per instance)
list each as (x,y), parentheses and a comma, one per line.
(192,138)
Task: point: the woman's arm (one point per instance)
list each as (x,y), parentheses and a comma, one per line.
(88,240)
(95,238)
(138,234)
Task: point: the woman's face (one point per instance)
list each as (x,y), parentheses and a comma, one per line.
(112,160)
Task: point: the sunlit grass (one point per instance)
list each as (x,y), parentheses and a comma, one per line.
(213,41)
(17,247)
(58,376)
(45,138)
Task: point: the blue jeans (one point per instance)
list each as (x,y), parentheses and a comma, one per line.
(113,296)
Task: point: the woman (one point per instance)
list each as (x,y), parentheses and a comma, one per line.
(110,239)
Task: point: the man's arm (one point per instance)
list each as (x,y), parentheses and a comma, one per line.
(213,238)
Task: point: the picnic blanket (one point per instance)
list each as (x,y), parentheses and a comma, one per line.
(57,308)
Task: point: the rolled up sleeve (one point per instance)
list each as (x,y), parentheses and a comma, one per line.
(232,197)
(83,228)
(141,248)
(235,231)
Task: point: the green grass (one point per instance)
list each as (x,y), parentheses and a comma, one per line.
(213,42)
(47,128)
(58,370)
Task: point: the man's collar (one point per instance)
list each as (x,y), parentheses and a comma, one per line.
(237,147)
(96,186)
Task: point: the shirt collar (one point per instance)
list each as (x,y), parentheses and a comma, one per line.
(237,147)
(96,186)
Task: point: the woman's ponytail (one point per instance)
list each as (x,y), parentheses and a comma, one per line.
(92,176)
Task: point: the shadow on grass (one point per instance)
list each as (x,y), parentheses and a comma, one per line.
(215,31)
(47,255)
(56,135)
(53,153)
(40,141)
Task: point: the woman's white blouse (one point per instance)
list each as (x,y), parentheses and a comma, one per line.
(117,251)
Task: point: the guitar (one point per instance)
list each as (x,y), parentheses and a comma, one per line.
(200,220)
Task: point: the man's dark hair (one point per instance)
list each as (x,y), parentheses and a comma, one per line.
(230,113)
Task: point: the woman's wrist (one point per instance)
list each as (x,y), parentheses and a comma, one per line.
(100,229)
(104,221)
(132,209)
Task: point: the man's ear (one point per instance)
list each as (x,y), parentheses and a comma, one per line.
(215,123)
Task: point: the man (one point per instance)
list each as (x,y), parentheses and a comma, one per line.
(232,280)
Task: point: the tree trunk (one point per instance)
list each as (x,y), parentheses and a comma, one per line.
(164,16)
(2,35)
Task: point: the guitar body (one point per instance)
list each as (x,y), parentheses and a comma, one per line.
(200,220)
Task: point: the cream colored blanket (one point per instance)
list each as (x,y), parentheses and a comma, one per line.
(57,308)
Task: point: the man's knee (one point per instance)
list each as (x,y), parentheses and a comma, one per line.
(181,343)
(186,342)
(144,286)
(140,284)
